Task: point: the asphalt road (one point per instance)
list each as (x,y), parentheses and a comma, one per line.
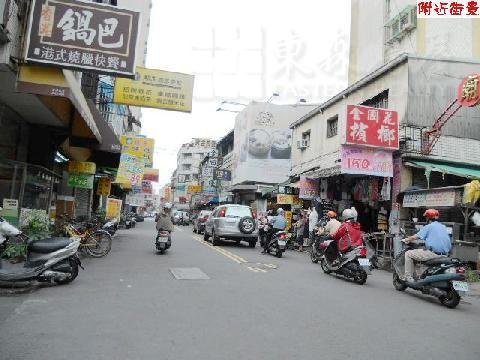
(129,306)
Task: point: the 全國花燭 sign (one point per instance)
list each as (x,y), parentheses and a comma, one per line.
(363,161)
(374,127)
(156,89)
(83,35)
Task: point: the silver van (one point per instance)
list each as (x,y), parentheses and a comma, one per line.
(232,222)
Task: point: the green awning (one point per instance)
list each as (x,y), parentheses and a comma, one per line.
(472,172)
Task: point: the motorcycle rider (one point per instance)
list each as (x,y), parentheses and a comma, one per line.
(348,234)
(164,218)
(279,224)
(332,225)
(437,243)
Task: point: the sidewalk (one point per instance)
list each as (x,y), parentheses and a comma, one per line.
(474,289)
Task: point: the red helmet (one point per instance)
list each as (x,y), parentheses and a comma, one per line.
(332,214)
(431,214)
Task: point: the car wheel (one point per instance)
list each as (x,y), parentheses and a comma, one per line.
(205,235)
(215,238)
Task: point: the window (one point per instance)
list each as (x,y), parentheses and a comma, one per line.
(305,142)
(306,136)
(186,166)
(332,127)
(187,177)
(378,101)
(187,155)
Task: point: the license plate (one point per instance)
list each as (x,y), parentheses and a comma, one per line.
(364,262)
(162,240)
(460,285)
(282,242)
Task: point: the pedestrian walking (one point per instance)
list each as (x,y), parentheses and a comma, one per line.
(312,223)
(300,229)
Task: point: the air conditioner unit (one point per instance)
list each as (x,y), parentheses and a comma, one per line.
(408,19)
(303,144)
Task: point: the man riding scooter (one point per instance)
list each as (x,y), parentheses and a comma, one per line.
(437,243)
(164,224)
(279,224)
(348,234)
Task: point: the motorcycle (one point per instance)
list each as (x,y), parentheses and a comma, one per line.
(277,244)
(111,226)
(163,241)
(353,265)
(442,277)
(48,260)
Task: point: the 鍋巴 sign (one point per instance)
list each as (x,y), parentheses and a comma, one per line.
(82,35)
(374,127)
(431,198)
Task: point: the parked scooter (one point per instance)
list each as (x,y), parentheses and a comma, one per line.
(442,277)
(163,241)
(278,243)
(353,265)
(111,226)
(48,260)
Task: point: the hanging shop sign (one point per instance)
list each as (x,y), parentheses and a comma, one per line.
(113,209)
(147,187)
(135,200)
(180,187)
(156,89)
(309,188)
(130,170)
(82,181)
(194,189)
(148,149)
(82,167)
(224,175)
(83,36)
(368,126)
(207,172)
(289,218)
(10,211)
(150,174)
(104,186)
(469,91)
(284,199)
(364,161)
(432,198)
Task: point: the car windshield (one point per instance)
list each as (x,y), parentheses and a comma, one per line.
(238,211)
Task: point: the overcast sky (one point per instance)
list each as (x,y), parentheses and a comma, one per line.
(242,51)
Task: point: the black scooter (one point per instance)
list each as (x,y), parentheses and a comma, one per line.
(163,241)
(444,277)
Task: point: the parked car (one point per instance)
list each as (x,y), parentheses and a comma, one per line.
(232,222)
(200,220)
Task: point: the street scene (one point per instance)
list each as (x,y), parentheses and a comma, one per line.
(251,182)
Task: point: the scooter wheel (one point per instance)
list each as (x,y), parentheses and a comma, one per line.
(313,257)
(451,300)
(279,254)
(360,277)
(325,269)
(398,284)
(72,275)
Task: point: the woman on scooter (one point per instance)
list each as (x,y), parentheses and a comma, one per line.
(349,234)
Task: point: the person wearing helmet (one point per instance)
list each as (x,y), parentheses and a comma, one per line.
(279,223)
(348,234)
(437,243)
(164,218)
(332,225)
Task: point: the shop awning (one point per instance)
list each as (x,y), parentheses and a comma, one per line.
(53,84)
(472,172)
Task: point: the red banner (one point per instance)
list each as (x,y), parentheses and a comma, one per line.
(373,127)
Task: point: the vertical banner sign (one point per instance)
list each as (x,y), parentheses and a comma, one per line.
(147,187)
(83,36)
(113,208)
(133,145)
(104,186)
(148,150)
(81,167)
(156,89)
(368,126)
(469,91)
(130,170)
(309,188)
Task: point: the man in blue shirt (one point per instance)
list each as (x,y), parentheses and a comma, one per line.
(437,243)
(279,224)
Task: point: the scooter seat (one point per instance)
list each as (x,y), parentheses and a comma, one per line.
(45,246)
(440,261)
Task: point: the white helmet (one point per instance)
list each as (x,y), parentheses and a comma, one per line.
(355,213)
(167,205)
(348,214)
(280,211)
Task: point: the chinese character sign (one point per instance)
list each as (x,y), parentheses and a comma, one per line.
(156,89)
(113,209)
(130,170)
(374,127)
(309,188)
(104,186)
(81,167)
(363,161)
(466,9)
(151,174)
(469,91)
(79,35)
